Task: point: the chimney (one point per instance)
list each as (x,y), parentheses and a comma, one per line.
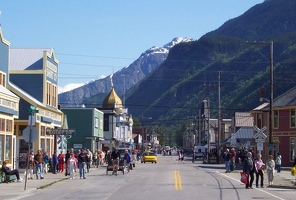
(262,95)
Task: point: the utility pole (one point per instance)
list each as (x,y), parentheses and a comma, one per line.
(219,117)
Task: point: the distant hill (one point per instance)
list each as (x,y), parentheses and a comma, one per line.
(91,94)
(173,92)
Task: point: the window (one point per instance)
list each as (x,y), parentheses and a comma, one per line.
(1,146)
(292,118)
(2,79)
(51,94)
(276,119)
(259,120)
(2,125)
(42,130)
(292,149)
(96,122)
(8,125)
(8,148)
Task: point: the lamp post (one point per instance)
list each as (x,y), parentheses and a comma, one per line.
(271,91)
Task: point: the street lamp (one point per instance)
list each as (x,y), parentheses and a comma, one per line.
(271,90)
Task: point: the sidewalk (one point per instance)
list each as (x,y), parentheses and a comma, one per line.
(18,188)
(281,180)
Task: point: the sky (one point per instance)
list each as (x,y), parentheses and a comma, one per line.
(95,38)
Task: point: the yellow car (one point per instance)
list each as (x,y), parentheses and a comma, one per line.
(149,156)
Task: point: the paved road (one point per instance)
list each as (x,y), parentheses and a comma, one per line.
(168,179)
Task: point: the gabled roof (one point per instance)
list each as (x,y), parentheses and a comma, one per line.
(286,99)
(25,58)
(244,133)
(3,90)
(27,97)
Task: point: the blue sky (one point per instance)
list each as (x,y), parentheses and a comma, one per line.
(94,38)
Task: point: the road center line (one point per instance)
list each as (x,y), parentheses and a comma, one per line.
(178,181)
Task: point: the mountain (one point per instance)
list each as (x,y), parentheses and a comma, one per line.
(91,94)
(172,93)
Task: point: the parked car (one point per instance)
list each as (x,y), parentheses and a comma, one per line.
(149,156)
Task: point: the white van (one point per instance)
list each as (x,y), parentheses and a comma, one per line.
(199,151)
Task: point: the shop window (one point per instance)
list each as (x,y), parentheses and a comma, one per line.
(292,149)
(1,147)
(276,119)
(8,125)
(47,145)
(42,144)
(43,131)
(2,125)
(8,148)
(23,149)
(21,128)
(292,118)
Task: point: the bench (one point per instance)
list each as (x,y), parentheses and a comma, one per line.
(6,178)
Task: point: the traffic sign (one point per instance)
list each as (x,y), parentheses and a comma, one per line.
(260,133)
(260,146)
(26,134)
(260,140)
(33,109)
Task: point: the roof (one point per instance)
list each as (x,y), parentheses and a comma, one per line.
(286,99)
(262,106)
(4,90)
(112,100)
(244,133)
(26,58)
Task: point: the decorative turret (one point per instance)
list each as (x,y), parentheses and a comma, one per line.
(112,101)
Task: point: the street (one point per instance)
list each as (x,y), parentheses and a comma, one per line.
(168,179)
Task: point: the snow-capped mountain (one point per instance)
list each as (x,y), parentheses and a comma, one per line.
(135,72)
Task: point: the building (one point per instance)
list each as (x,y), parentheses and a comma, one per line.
(283,135)
(117,123)
(9,108)
(33,76)
(88,126)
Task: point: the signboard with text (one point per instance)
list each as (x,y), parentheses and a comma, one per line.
(52,131)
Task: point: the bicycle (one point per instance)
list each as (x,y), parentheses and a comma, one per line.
(115,166)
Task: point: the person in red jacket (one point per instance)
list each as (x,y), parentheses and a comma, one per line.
(61,163)
(232,159)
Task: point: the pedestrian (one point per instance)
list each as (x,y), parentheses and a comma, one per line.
(181,156)
(31,165)
(126,160)
(226,157)
(95,157)
(248,168)
(8,171)
(54,162)
(259,165)
(278,163)
(38,158)
(67,156)
(88,162)
(46,161)
(82,160)
(270,165)
(71,165)
(232,159)
(61,162)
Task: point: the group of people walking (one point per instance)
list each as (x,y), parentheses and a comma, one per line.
(253,166)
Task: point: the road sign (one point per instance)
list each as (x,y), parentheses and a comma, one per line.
(260,146)
(26,134)
(33,109)
(52,131)
(260,140)
(260,133)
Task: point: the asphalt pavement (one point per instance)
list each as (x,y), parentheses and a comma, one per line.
(281,180)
